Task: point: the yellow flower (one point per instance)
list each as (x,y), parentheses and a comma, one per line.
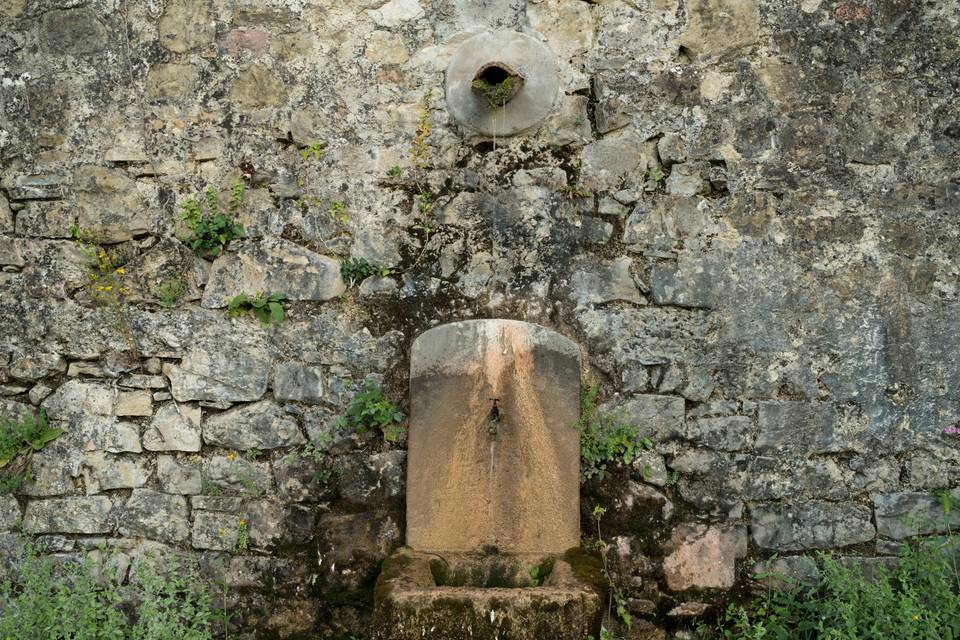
(243,522)
(120,271)
(109,287)
(102,254)
(223,531)
(99,288)
(232,456)
(916,617)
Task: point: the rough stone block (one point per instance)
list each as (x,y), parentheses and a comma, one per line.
(301,479)
(704,557)
(267,523)
(796,570)
(37,365)
(237,474)
(112,205)
(186,25)
(376,480)
(215,531)
(812,525)
(727,433)
(353,546)
(688,283)
(179,476)
(104,471)
(54,467)
(258,86)
(69,515)
(88,409)
(157,516)
(44,219)
(9,512)
(716,27)
(174,428)
(133,403)
(262,425)
(273,265)
(299,382)
(73,32)
(220,376)
(662,226)
(801,427)
(607,162)
(659,417)
(6,217)
(901,515)
(171,81)
(599,282)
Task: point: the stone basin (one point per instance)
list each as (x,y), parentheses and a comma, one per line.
(493,492)
(420,596)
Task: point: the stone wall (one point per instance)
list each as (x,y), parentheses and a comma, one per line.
(744,211)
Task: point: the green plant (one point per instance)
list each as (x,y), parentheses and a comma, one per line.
(314,150)
(103,268)
(356,270)
(212,228)
(208,487)
(655,174)
(672,478)
(254,453)
(18,440)
(249,483)
(496,94)
(425,223)
(223,616)
(267,308)
(338,213)
(917,597)
(604,438)
(616,600)
(420,149)
(371,409)
(170,291)
(572,192)
(106,275)
(535,577)
(605,634)
(395,171)
(243,537)
(77,600)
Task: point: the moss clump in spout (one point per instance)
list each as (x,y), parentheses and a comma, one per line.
(497,84)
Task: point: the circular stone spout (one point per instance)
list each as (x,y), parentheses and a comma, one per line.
(497,83)
(501,83)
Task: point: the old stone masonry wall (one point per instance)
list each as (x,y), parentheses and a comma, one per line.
(746,212)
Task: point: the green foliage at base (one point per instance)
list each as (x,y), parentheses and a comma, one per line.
(916,599)
(170,290)
(605,438)
(370,409)
(18,439)
(266,308)
(76,600)
(357,270)
(212,228)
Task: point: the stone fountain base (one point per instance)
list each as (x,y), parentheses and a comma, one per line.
(473,597)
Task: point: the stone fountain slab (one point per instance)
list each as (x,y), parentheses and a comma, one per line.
(493,492)
(494,455)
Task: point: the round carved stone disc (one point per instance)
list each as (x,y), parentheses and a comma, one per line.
(523,55)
